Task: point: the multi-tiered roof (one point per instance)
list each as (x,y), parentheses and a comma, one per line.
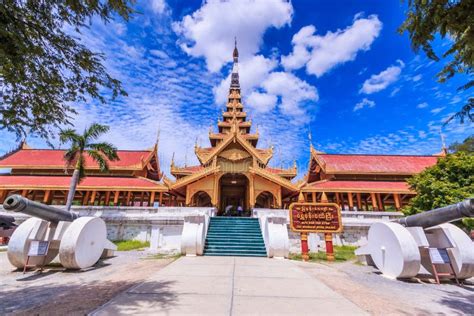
(234,127)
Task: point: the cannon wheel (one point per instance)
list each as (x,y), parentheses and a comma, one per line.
(19,245)
(83,243)
(393,250)
(462,252)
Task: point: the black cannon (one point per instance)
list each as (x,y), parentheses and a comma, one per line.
(17,203)
(7,222)
(440,215)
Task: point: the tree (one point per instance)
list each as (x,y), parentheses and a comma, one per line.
(466,146)
(450,181)
(44,67)
(448,18)
(81,145)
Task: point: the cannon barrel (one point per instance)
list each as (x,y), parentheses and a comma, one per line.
(7,222)
(17,203)
(440,215)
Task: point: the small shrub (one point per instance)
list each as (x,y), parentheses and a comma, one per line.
(126,245)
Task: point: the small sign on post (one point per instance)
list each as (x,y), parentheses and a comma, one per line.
(440,256)
(316,218)
(38,248)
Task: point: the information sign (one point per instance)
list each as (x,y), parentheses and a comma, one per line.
(439,256)
(38,248)
(315,217)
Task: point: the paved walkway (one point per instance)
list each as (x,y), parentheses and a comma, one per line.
(230,286)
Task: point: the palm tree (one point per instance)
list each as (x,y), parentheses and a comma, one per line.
(82,144)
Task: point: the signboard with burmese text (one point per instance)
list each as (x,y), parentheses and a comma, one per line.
(315,217)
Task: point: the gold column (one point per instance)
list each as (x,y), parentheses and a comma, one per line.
(94,193)
(380,202)
(396,198)
(374,201)
(107,198)
(116,197)
(188,196)
(351,201)
(279,197)
(129,195)
(161,198)
(252,191)
(3,195)
(359,202)
(152,198)
(85,200)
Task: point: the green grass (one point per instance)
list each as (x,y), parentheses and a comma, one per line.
(164,256)
(341,253)
(126,245)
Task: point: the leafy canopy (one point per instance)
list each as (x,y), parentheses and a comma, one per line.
(80,145)
(448,18)
(466,146)
(43,68)
(450,181)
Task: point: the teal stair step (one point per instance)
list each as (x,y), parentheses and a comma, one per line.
(234,236)
(234,232)
(226,248)
(234,243)
(224,254)
(236,253)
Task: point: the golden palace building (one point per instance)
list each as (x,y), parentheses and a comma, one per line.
(232,173)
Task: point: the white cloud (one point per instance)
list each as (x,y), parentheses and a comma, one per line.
(382,80)
(394,92)
(262,102)
(364,103)
(422,105)
(292,90)
(209,32)
(416,78)
(159,53)
(322,53)
(437,110)
(158,6)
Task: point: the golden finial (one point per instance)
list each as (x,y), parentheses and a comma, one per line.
(172,160)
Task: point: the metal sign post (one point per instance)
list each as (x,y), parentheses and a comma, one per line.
(440,256)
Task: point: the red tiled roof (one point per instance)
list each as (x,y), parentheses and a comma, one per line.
(192,168)
(276,170)
(333,163)
(46,159)
(359,186)
(108,183)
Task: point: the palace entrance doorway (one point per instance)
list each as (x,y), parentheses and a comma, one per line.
(233,190)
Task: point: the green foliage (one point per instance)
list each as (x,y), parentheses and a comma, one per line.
(43,67)
(126,245)
(448,18)
(165,256)
(341,253)
(450,181)
(466,146)
(81,144)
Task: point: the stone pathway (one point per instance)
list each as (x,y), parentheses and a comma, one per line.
(230,286)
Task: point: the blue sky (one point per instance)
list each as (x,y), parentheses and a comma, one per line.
(337,69)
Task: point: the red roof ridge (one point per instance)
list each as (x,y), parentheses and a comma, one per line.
(383,155)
